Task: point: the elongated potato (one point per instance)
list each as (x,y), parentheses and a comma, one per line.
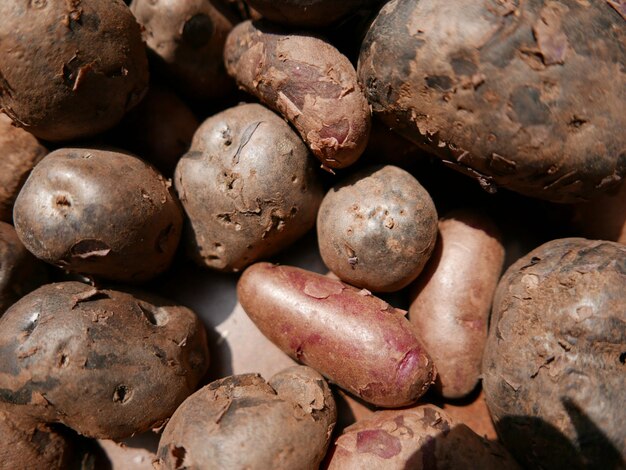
(354,339)
(309,82)
(452,299)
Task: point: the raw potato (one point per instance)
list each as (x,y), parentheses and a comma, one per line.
(265,191)
(20,152)
(26,445)
(418,438)
(527,95)
(90,65)
(20,272)
(605,217)
(243,422)
(452,299)
(377,229)
(356,340)
(187,37)
(553,370)
(99,212)
(309,82)
(105,363)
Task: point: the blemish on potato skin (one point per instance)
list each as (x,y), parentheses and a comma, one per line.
(378,442)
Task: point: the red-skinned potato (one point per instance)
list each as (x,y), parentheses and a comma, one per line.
(452,299)
(309,82)
(356,340)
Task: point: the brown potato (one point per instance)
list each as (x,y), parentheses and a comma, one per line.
(265,193)
(553,369)
(309,82)
(356,340)
(187,37)
(452,299)
(105,363)
(527,95)
(424,437)
(244,422)
(90,65)
(377,229)
(20,153)
(99,212)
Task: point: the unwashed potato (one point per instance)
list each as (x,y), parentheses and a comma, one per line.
(69,69)
(309,82)
(20,152)
(243,422)
(105,363)
(356,340)
(20,272)
(377,229)
(452,298)
(553,369)
(99,212)
(27,445)
(264,191)
(420,438)
(187,37)
(528,95)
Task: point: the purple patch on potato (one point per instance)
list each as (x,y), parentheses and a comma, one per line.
(378,442)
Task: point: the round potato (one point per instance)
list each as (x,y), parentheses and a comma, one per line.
(99,212)
(69,69)
(553,369)
(265,193)
(105,363)
(377,229)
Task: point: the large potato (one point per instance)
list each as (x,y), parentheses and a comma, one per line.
(525,95)
(553,369)
(105,363)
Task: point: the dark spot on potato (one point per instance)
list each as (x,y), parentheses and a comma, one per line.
(9,364)
(64,360)
(576,122)
(89,248)
(378,442)
(100,361)
(528,108)
(62,200)
(439,82)
(179,455)
(23,395)
(622,358)
(122,394)
(463,66)
(198,30)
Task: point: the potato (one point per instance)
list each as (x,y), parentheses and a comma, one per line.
(356,340)
(105,363)
(424,437)
(377,229)
(26,445)
(553,369)
(20,272)
(604,217)
(451,301)
(69,69)
(99,212)
(20,153)
(309,82)
(187,37)
(242,422)
(528,95)
(265,193)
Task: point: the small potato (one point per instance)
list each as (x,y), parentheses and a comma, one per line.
(105,363)
(452,299)
(420,438)
(99,212)
(309,82)
(20,152)
(377,229)
(243,422)
(356,340)
(264,192)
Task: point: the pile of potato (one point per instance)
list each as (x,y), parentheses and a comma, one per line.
(232,236)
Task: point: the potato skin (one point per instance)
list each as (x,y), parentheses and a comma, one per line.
(265,193)
(244,422)
(70,349)
(89,69)
(377,229)
(553,369)
(354,339)
(424,437)
(451,300)
(309,82)
(68,214)
(524,95)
